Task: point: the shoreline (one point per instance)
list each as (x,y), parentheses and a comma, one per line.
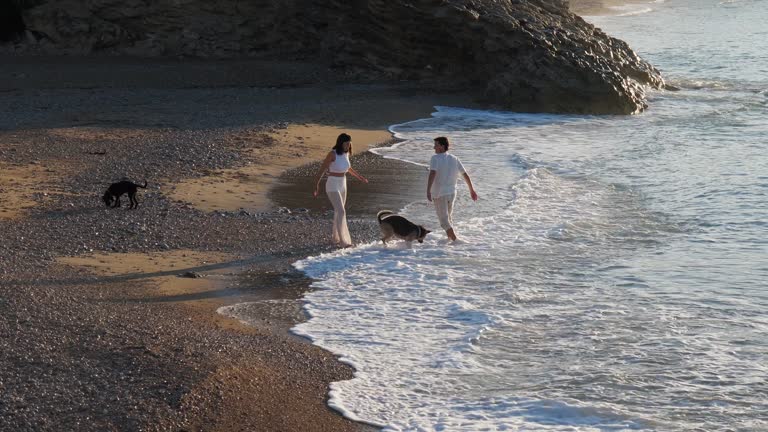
(101,318)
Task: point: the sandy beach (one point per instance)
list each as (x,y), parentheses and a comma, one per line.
(109,316)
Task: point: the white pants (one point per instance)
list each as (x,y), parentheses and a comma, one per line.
(336,189)
(444,210)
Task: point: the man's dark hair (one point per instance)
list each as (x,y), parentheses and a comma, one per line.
(339,147)
(443,141)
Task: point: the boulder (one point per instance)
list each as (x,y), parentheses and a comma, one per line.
(12,25)
(533,55)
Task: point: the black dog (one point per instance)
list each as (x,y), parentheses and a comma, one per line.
(115,190)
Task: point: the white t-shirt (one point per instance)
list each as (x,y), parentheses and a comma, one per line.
(448,167)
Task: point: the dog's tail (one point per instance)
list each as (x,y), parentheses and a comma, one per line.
(383,213)
(143,187)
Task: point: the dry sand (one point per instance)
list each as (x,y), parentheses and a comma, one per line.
(22,186)
(97,329)
(172,272)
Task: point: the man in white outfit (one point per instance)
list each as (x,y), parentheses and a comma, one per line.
(444,170)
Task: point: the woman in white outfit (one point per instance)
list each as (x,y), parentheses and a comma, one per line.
(337,165)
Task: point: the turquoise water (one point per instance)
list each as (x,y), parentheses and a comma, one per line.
(612,275)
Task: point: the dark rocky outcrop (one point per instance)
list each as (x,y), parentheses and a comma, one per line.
(11,22)
(531,55)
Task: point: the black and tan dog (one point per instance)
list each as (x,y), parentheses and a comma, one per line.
(393,225)
(115,190)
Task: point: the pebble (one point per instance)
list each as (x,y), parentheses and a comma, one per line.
(65,361)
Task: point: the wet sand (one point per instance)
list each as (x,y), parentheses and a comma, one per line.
(99,327)
(246,187)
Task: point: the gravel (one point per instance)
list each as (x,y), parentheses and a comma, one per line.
(79,352)
(83,352)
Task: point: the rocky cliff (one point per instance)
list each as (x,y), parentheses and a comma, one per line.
(530,55)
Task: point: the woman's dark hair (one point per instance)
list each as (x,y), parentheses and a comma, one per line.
(443,141)
(339,147)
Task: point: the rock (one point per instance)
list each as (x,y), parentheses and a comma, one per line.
(11,22)
(531,55)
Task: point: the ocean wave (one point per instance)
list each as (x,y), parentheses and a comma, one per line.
(699,84)
(589,264)
(633,12)
(748,87)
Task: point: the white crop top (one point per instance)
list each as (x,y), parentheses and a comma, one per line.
(341,164)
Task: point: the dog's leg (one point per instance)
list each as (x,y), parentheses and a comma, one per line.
(117,202)
(132,197)
(385,235)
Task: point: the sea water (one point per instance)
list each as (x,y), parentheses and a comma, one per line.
(612,275)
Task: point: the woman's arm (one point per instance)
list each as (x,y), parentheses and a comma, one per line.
(356,174)
(323,168)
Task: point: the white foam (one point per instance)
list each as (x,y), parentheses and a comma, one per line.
(552,313)
(413,321)
(630,11)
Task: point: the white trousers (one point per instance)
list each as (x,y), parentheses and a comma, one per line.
(444,210)
(336,189)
